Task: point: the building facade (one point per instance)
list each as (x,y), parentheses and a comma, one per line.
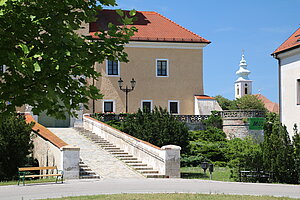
(165,60)
(288,56)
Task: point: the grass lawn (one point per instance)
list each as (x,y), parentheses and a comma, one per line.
(219,174)
(171,197)
(44,180)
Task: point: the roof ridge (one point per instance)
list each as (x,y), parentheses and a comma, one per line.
(181,27)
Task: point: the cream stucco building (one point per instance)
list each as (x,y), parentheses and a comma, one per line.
(165,60)
(288,56)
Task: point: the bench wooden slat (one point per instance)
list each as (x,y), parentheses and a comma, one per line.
(36,168)
(24,172)
(33,176)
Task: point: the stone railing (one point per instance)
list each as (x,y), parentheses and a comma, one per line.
(240,114)
(50,150)
(121,117)
(191,118)
(166,159)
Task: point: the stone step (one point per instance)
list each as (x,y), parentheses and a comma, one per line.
(84,169)
(89,176)
(131,158)
(123,156)
(119,153)
(131,161)
(107,145)
(115,151)
(87,173)
(148,171)
(137,164)
(155,176)
(111,148)
(102,142)
(139,168)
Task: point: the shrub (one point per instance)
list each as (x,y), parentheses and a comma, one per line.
(15,145)
(278,151)
(157,127)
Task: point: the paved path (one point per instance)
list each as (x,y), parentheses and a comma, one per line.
(116,186)
(99,160)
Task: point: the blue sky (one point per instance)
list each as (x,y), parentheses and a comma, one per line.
(257,26)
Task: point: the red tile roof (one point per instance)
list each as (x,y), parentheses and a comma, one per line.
(269,105)
(151,26)
(204,97)
(45,133)
(292,42)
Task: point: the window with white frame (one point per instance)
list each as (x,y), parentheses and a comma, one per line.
(112,68)
(162,67)
(298,91)
(173,107)
(108,106)
(146,105)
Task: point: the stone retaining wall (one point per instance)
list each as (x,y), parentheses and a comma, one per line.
(238,128)
(50,150)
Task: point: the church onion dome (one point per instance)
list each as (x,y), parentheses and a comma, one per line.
(243,72)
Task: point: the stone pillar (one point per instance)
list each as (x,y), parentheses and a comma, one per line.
(77,121)
(70,161)
(172,161)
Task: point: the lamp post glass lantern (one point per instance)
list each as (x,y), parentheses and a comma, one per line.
(204,166)
(126,90)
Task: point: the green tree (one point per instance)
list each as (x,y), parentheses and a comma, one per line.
(244,153)
(278,151)
(225,103)
(47,61)
(157,127)
(296,144)
(15,145)
(214,120)
(249,102)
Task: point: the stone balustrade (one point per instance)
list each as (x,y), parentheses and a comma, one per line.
(240,114)
(166,159)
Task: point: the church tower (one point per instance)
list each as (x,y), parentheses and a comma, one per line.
(243,85)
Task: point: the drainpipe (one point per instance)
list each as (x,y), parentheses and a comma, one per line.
(279,86)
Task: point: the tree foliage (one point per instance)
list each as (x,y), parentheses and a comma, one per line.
(214,121)
(249,102)
(206,145)
(157,127)
(225,103)
(246,102)
(15,145)
(278,151)
(296,144)
(47,61)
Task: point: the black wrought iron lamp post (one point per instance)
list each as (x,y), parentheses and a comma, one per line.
(126,90)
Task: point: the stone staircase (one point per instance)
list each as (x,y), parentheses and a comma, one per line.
(85,172)
(128,159)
